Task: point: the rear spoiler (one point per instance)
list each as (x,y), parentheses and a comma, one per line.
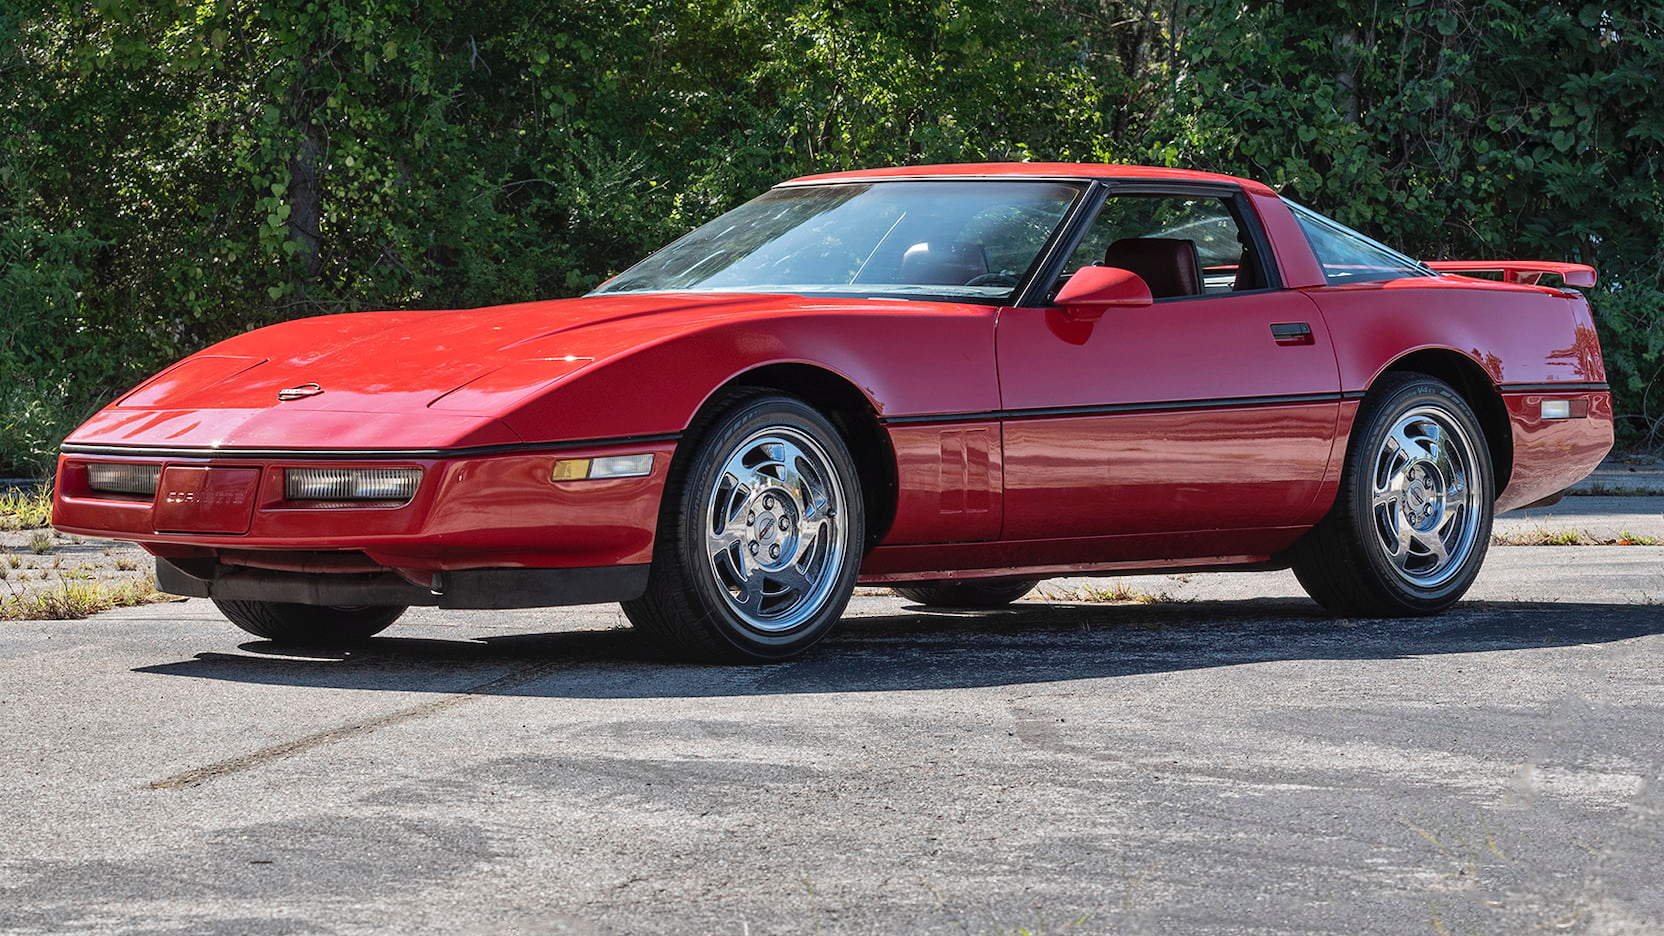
(1527,272)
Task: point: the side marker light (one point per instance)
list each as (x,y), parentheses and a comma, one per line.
(609,466)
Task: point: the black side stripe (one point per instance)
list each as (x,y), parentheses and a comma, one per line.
(1047,412)
(1552,387)
(1052,412)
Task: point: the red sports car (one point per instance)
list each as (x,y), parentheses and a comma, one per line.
(953,380)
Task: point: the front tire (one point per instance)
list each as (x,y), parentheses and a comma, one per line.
(310,625)
(760,537)
(1412,520)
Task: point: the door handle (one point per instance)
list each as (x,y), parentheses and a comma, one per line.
(1292,333)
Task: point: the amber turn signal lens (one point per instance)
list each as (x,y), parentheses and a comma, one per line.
(610,466)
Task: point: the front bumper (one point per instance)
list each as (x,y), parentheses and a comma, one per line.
(470,512)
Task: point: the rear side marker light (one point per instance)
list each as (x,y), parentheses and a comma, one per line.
(351,484)
(1566,409)
(124,479)
(610,466)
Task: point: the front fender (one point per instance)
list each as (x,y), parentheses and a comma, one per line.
(936,359)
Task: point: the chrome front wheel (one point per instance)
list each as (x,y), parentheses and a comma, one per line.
(777,529)
(760,537)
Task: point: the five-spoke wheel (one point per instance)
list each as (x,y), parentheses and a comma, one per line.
(760,536)
(1424,509)
(775,524)
(1412,522)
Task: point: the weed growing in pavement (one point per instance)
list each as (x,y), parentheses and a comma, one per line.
(1598,489)
(42,542)
(1545,537)
(1114,593)
(126,565)
(25,509)
(73,600)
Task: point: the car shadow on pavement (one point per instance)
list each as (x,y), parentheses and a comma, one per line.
(919,648)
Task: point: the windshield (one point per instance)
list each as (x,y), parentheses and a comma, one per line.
(959,239)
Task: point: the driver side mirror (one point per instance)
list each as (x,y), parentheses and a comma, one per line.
(1093,290)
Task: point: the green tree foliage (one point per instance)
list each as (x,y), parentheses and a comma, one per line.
(1457,130)
(175,171)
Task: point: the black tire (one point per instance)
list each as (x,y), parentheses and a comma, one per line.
(970,593)
(760,536)
(1412,520)
(310,625)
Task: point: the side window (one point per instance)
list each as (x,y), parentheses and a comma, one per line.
(1179,245)
(1349,257)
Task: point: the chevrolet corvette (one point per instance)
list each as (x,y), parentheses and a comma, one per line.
(954,381)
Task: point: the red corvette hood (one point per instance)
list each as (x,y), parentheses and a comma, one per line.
(390,379)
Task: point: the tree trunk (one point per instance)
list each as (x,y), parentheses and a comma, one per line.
(305,201)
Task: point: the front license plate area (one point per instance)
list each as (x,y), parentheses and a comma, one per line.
(205,500)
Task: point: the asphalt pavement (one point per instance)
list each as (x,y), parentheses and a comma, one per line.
(1222,760)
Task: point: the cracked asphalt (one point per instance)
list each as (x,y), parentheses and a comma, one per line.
(1223,761)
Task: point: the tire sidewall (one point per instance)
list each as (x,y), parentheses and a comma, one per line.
(1378,422)
(702,470)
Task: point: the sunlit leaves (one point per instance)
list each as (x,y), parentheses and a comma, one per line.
(1488,129)
(174,172)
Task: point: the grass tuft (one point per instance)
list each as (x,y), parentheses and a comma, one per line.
(26,508)
(1545,537)
(1113,593)
(41,542)
(73,600)
(1599,489)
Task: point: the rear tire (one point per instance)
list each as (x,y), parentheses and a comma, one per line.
(966,594)
(1412,520)
(310,625)
(759,539)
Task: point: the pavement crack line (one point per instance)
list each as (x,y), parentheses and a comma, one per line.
(278,752)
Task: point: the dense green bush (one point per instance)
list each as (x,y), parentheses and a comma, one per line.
(171,173)
(1465,130)
(174,173)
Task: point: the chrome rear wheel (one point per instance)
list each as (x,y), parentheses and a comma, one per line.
(1411,524)
(1426,512)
